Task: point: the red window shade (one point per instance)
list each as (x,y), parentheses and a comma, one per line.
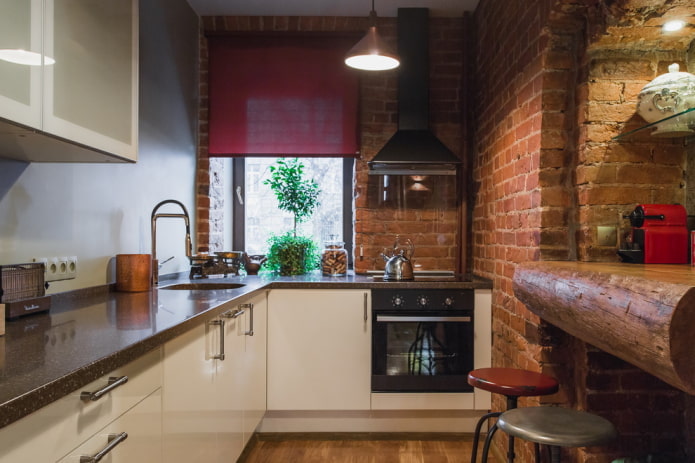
(281,96)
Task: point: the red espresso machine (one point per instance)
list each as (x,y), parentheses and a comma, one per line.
(659,235)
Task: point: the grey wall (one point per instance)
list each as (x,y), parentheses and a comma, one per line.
(95,211)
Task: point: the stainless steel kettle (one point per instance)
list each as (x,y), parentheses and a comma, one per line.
(398,262)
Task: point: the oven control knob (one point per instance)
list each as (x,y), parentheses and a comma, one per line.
(448,302)
(397,300)
(422,301)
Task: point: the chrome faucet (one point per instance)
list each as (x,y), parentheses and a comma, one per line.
(155,216)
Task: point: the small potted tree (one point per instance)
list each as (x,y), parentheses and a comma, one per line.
(290,253)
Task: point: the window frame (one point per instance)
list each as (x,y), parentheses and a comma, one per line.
(239,208)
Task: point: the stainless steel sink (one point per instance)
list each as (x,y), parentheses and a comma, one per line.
(204,286)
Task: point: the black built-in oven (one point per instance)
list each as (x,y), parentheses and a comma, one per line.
(422,340)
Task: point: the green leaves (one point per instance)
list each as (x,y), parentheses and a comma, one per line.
(295,194)
(292,255)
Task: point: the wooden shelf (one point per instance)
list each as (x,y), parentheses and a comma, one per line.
(641,313)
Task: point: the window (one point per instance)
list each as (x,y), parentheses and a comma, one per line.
(284,95)
(258,216)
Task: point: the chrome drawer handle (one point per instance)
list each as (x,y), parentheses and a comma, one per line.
(113,383)
(220,324)
(233,313)
(114,440)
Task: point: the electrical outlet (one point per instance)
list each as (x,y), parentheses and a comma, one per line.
(63,267)
(606,236)
(59,268)
(72,267)
(52,269)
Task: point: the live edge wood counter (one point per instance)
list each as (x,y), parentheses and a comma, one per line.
(644,314)
(89,333)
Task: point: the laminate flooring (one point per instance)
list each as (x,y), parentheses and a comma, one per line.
(360,448)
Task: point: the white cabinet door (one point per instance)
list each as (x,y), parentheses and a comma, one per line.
(229,397)
(202,404)
(134,437)
(253,365)
(189,406)
(91,92)
(20,84)
(319,350)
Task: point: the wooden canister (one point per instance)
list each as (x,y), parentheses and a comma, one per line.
(133,272)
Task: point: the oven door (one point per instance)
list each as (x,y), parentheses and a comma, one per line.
(422,351)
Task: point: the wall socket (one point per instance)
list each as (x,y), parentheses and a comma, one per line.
(59,268)
(607,236)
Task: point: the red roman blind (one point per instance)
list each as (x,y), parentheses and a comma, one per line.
(281,96)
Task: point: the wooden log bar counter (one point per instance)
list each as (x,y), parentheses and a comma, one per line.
(641,313)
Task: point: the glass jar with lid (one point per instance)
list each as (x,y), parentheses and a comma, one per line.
(334,259)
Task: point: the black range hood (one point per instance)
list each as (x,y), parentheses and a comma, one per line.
(413,149)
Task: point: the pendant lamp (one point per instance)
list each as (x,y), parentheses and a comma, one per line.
(372,53)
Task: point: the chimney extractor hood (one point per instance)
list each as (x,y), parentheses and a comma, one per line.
(413,149)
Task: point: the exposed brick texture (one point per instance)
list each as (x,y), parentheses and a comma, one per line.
(556,83)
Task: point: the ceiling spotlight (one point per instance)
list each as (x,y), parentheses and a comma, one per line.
(673,25)
(371,53)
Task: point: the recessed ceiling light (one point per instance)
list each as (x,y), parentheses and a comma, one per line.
(28,58)
(673,25)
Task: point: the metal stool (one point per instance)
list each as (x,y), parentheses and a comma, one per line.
(512,383)
(556,427)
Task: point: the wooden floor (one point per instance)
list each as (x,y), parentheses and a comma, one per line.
(360,448)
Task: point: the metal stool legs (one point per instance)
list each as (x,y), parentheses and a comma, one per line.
(511,404)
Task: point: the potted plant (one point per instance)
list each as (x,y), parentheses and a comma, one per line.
(290,253)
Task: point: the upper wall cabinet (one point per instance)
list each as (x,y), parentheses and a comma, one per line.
(79,101)
(20,84)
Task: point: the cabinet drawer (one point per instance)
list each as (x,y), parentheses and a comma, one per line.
(138,435)
(56,429)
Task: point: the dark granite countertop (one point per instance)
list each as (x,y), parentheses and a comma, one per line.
(90,332)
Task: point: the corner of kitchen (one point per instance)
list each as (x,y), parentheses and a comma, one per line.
(223,226)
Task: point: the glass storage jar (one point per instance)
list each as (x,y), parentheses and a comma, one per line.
(334,258)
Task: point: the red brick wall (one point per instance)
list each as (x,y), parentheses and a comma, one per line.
(435,232)
(555,83)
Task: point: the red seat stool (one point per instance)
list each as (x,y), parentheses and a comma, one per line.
(512,383)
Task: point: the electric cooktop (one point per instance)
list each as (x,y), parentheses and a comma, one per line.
(424,275)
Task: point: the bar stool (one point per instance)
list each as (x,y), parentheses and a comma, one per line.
(512,383)
(556,427)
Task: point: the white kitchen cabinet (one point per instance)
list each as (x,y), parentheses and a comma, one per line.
(20,85)
(139,431)
(319,344)
(53,431)
(252,372)
(85,104)
(214,386)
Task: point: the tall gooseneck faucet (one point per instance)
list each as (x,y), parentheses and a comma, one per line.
(155,216)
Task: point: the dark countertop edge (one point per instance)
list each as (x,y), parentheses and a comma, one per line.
(37,398)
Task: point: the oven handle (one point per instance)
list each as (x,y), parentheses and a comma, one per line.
(405,318)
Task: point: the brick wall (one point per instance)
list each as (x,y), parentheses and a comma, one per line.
(556,81)
(435,231)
